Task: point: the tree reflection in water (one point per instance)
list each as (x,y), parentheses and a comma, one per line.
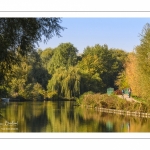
(63,116)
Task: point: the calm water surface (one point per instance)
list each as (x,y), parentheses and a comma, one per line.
(63,116)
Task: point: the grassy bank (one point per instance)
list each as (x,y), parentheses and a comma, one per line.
(111,102)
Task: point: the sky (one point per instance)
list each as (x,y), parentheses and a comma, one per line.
(121,33)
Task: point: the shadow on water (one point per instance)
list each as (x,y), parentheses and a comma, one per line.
(37,123)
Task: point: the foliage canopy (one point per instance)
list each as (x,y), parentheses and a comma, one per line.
(19,36)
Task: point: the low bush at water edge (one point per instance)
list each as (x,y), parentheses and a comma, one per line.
(111,102)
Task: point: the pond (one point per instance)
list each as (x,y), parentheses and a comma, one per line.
(64,116)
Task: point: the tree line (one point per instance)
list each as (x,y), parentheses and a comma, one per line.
(30,73)
(64,73)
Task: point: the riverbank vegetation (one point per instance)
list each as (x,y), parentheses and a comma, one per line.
(111,102)
(61,72)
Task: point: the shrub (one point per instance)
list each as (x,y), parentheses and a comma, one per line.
(111,102)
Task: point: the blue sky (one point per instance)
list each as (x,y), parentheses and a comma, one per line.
(122,33)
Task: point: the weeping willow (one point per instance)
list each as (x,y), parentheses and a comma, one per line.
(66,82)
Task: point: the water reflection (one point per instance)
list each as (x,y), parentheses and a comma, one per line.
(109,126)
(125,126)
(63,116)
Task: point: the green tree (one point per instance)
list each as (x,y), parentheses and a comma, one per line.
(133,74)
(18,78)
(29,79)
(90,75)
(46,56)
(66,82)
(38,74)
(143,60)
(18,36)
(143,50)
(65,55)
(101,66)
(122,81)
(118,59)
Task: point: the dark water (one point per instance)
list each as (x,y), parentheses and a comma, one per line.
(63,116)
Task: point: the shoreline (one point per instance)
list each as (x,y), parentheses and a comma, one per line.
(120,112)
